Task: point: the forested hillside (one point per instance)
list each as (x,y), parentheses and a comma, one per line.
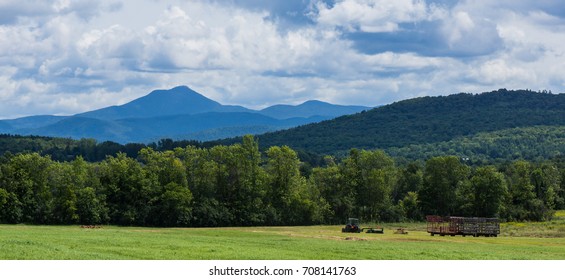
(534,144)
(239,185)
(424,120)
(529,143)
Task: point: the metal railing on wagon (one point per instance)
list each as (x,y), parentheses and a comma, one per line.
(464,226)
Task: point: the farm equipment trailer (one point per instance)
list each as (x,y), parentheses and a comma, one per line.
(463,226)
(353,226)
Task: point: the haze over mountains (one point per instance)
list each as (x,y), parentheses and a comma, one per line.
(178,113)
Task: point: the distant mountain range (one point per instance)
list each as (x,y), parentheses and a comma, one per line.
(178,113)
(491,127)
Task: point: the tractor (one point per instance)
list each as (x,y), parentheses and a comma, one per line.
(353,226)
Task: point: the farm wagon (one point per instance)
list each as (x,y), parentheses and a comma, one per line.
(463,226)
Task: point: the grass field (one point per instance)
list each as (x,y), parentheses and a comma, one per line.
(538,241)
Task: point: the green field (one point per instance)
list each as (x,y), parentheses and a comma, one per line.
(536,241)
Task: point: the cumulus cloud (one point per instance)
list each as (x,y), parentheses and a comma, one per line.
(65,57)
(374,15)
(469,35)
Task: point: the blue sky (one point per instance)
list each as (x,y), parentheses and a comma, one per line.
(63,57)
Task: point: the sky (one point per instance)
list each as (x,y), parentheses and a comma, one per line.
(63,57)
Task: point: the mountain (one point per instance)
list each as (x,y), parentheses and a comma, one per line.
(178,113)
(176,101)
(306,109)
(82,127)
(205,126)
(209,126)
(4,126)
(424,120)
(33,122)
(183,100)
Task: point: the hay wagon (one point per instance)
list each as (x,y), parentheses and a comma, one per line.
(464,226)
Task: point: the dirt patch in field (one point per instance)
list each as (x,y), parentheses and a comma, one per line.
(322,236)
(355,238)
(411,240)
(311,236)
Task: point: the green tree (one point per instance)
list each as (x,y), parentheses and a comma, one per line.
(127,190)
(489,190)
(3,198)
(240,182)
(376,182)
(90,207)
(3,203)
(295,201)
(546,181)
(351,176)
(252,182)
(63,187)
(547,184)
(170,198)
(163,167)
(410,179)
(409,205)
(202,176)
(442,177)
(25,176)
(225,189)
(10,206)
(172,206)
(283,169)
(524,203)
(91,201)
(332,187)
(560,201)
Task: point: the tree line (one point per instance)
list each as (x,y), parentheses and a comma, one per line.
(67,149)
(536,143)
(238,185)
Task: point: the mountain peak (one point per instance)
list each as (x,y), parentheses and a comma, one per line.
(175,90)
(180,100)
(182,87)
(315,102)
(310,108)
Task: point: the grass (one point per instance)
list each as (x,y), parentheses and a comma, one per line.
(538,241)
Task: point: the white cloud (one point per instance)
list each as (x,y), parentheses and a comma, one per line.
(7,84)
(497,71)
(64,57)
(374,15)
(470,33)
